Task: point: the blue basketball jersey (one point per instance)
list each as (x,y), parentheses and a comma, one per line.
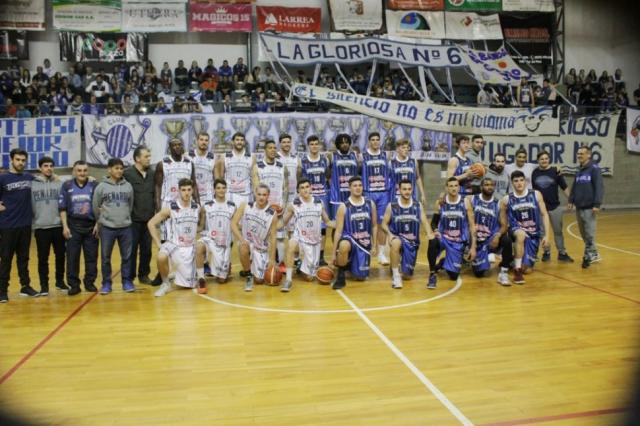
(453,224)
(401,170)
(358,223)
(487,217)
(463,166)
(344,167)
(375,172)
(524,213)
(316,173)
(405,221)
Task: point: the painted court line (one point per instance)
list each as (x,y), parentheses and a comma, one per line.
(578,237)
(44,341)
(568,416)
(425,381)
(588,286)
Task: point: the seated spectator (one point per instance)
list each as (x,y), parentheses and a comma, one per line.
(226,105)
(121,73)
(25,78)
(243,104)
(252,80)
(59,103)
(608,100)
(485,97)
(88,77)
(193,105)
(112,108)
(138,68)
(588,97)
(622,100)
(225,70)
(178,105)
(388,91)
(240,71)
(30,100)
(23,112)
(208,88)
(44,107)
(17,95)
(76,83)
(10,110)
(280,104)
(272,82)
(116,88)
(148,101)
(573,93)
(93,107)
(148,83)
(166,77)
(48,69)
(75,107)
(42,76)
(604,78)
(150,70)
(135,80)
(262,105)
(128,106)
(181,77)
(99,88)
(195,72)
(617,79)
(548,93)
(571,79)
(132,92)
(210,70)
(582,76)
(592,77)
(225,87)
(161,108)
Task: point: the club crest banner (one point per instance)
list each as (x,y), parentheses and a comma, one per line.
(154,17)
(90,15)
(289,19)
(528,5)
(356,15)
(483,5)
(486,121)
(633,129)
(305,51)
(22,15)
(494,67)
(415,4)
(596,132)
(118,136)
(105,47)
(416,24)
(55,137)
(471,26)
(219,17)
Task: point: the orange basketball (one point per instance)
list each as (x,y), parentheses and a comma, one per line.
(277,209)
(272,276)
(478,169)
(325,275)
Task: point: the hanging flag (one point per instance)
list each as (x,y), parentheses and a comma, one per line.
(415,24)
(480,5)
(89,15)
(356,15)
(153,16)
(528,5)
(471,26)
(415,4)
(493,67)
(289,19)
(216,17)
(633,129)
(22,15)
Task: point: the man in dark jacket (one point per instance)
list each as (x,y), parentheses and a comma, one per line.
(586,195)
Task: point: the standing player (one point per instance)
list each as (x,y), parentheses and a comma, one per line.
(254,227)
(456,230)
(203,163)
(316,168)
(308,213)
(355,238)
(344,166)
(376,179)
(291,162)
(403,167)
(491,233)
(526,213)
(475,156)
(169,172)
(217,231)
(402,222)
(459,165)
(235,168)
(184,219)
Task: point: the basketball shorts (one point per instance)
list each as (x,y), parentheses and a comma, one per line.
(310,256)
(218,257)
(380,199)
(408,256)
(359,259)
(259,262)
(453,254)
(238,199)
(531,245)
(182,261)
(481,262)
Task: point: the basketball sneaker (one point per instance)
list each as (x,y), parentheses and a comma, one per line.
(383,259)
(518,276)
(73,291)
(105,289)
(339,282)
(62,286)
(28,291)
(503,279)
(44,290)
(433,282)
(396,283)
(128,287)
(546,256)
(586,262)
(202,286)
(564,257)
(595,257)
(91,288)
(286,287)
(248,285)
(4,297)
(164,289)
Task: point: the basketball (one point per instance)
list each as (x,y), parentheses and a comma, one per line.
(272,276)
(478,169)
(277,209)
(324,275)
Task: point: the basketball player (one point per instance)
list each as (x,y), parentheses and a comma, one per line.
(184,220)
(235,168)
(491,233)
(526,213)
(216,236)
(459,165)
(456,231)
(316,168)
(203,163)
(376,179)
(344,166)
(171,170)
(254,226)
(404,167)
(355,237)
(291,162)
(475,156)
(402,221)
(308,213)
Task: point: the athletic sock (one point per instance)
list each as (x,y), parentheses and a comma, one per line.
(321,254)
(381,248)
(200,272)
(503,269)
(289,273)
(395,272)
(280,249)
(518,263)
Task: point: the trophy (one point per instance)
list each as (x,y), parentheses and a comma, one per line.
(356,124)
(199,124)
(302,125)
(426,141)
(174,128)
(373,125)
(320,124)
(337,126)
(263,125)
(406,131)
(221,145)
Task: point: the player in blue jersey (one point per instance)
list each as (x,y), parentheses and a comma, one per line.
(456,231)
(316,168)
(405,167)
(344,166)
(376,179)
(491,233)
(525,212)
(459,165)
(403,220)
(355,237)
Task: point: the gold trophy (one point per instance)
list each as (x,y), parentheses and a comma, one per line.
(389,138)
(174,128)
(263,125)
(221,145)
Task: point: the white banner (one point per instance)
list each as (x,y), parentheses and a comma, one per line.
(415,23)
(471,26)
(117,136)
(300,51)
(100,16)
(22,15)
(597,132)
(528,5)
(486,121)
(494,67)
(633,129)
(356,15)
(154,17)
(55,137)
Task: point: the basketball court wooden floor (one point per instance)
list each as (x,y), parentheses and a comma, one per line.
(562,349)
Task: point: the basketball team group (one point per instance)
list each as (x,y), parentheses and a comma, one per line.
(277,210)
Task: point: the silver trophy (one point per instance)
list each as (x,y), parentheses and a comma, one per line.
(301,127)
(389,138)
(426,141)
(174,128)
(337,126)
(320,124)
(240,125)
(220,141)
(282,125)
(356,124)
(373,125)
(263,125)
(406,131)
(199,125)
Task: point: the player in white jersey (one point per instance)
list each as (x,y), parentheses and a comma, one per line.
(254,228)
(184,219)
(292,163)
(235,168)
(308,213)
(216,235)
(203,163)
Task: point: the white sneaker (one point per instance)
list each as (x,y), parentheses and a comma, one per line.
(164,289)
(492,257)
(383,260)
(397,283)
(595,258)
(503,279)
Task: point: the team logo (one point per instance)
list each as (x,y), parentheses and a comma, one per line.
(534,119)
(113,137)
(634,135)
(414,21)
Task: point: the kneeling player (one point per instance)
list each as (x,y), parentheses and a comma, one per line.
(254,225)
(355,236)
(178,253)
(401,222)
(456,230)
(308,213)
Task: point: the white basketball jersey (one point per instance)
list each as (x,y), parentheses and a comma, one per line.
(183,224)
(307,218)
(218,223)
(237,172)
(273,176)
(174,171)
(256,224)
(291,164)
(204,174)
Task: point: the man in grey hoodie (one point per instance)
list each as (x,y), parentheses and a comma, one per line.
(498,175)
(112,205)
(47,226)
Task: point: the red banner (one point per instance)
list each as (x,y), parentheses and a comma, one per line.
(415,4)
(217,17)
(289,19)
